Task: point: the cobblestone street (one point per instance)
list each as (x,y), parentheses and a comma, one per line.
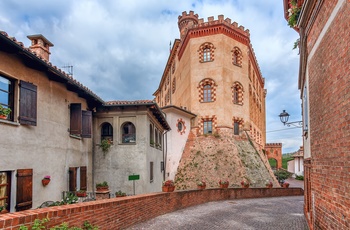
(262,213)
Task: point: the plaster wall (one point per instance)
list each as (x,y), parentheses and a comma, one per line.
(125,159)
(47,148)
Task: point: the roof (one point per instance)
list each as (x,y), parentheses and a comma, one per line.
(151,105)
(11,45)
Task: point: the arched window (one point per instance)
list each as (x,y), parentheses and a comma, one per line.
(237,93)
(106,131)
(128,133)
(237,56)
(207,90)
(206,52)
(207,93)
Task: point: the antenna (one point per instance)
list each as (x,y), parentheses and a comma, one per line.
(69,69)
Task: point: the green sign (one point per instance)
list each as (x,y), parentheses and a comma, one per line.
(134,177)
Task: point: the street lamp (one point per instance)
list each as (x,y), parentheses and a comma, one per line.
(284,116)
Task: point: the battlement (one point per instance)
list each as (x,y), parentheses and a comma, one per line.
(199,23)
(273,145)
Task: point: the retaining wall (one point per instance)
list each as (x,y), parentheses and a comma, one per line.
(120,213)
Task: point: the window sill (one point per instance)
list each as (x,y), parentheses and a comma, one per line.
(7,122)
(75,137)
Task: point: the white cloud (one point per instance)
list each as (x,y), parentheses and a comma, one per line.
(119,48)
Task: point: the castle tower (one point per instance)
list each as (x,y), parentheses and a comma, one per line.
(213,81)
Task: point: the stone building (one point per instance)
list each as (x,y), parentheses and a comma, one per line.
(324,83)
(213,84)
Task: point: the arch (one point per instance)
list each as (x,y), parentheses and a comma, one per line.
(207,90)
(128,132)
(107,131)
(237,93)
(206,52)
(274,150)
(237,56)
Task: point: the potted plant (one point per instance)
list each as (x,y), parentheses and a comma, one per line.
(102,187)
(285,185)
(81,193)
(3,209)
(46,180)
(120,193)
(4,112)
(168,186)
(293,13)
(269,184)
(201,185)
(105,145)
(245,184)
(223,183)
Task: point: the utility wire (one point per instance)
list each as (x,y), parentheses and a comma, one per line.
(277,130)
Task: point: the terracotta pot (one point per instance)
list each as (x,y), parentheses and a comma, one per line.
(3,117)
(102,189)
(81,194)
(120,195)
(4,211)
(201,187)
(269,186)
(285,185)
(224,185)
(245,186)
(45,181)
(168,188)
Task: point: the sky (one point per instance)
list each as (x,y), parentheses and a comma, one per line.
(119,49)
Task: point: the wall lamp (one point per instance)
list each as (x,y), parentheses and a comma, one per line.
(284,116)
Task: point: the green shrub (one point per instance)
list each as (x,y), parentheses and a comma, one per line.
(299,177)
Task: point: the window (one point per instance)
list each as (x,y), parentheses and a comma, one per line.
(207,127)
(206,52)
(151,135)
(5,192)
(237,57)
(6,94)
(107,132)
(305,112)
(179,126)
(128,133)
(27,103)
(237,91)
(236,128)
(80,121)
(207,90)
(77,178)
(151,175)
(206,55)
(207,93)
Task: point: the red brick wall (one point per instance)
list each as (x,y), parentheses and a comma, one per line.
(120,213)
(329,95)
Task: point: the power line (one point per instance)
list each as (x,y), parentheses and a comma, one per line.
(277,130)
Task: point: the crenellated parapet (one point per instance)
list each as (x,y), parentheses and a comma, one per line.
(277,145)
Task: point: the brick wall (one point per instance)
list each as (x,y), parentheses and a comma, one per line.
(120,213)
(329,95)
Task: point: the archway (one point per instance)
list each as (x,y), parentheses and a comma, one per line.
(274,151)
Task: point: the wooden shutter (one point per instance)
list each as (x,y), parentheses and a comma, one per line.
(24,189)
(75,118)
(151,175)
(27,103)
(72,178)
(83,178)
(87,121)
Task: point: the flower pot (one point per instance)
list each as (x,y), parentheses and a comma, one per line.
(269,186)
(45,181)
(4,117)
(201,187)
(4,211)
(224,185)
(168,188)
(102,189)
(80,194)
(245,186)
(120,196)
(285,185)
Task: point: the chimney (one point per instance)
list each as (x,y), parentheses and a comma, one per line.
(40,45)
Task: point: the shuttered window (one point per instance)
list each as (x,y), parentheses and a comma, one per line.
(73,178)
(24,189)
(27,103)
(87,127)
(151,175)
(80,121)
(83,178)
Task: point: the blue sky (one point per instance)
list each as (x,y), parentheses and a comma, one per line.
(119,48)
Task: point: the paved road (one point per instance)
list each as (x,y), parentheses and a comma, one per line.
(282,213)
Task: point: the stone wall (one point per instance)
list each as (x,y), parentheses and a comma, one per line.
(120,213)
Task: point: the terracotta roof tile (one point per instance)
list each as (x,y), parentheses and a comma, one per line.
(136,102)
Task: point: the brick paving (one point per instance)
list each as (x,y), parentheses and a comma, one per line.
(261,213)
